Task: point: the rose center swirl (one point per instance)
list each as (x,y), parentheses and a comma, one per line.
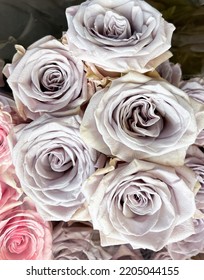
(112,25)
(52,79)
(140,117)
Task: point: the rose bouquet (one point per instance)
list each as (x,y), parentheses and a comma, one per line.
(102,142)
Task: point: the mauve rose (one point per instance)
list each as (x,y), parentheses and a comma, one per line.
(170,72)
(9,197)
(52,161)
(78,241)
(140,203)
(194,88)
(120,35)
(73,242)
(141,117)
(5,127)
(161,255)
(24,235)
(195,161)
(190,246)
(46,78)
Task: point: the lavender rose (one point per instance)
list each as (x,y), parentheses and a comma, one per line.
(144,118)
(140,203)
(162,255)
(190,246)
(78,241)
(119,35)
(195,161)
(46,78)
(194,88)
(52,162)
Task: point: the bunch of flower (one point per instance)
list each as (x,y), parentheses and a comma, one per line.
(102,145)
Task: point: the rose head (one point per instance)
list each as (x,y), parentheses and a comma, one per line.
(24,235)
(195,160)
(52,162)
(119,35)
(46,78)
(74,242)
(78,241)
(140,117)
(194,88)
(190,246)
(140,203)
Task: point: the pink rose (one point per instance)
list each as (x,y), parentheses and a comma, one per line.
(5,127)
(24,235)
(9,197)
(46,78)
(119,35)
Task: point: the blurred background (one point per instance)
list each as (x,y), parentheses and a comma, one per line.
(25,21)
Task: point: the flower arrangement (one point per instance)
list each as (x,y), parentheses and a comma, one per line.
(101,142)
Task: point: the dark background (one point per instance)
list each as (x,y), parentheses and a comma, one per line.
(25,21)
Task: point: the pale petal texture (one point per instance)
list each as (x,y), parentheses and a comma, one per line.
(52,162)
(78,241)
(190,246)
(24,235)
(9,197)
(170,72)
(141,117)
(195,161)
(194,87)
(46,78)
(139,203)
(119,35)
(5,127)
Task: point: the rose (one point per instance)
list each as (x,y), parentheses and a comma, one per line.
(190,246)
(73,242)
(119,35)
(46,78)
(194,88)
(195,160)
(9,197)
(24,235)
(78,241)
(52,161)
(141,117)
(162,255)
(140,203)
(5,127)
(170,72)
